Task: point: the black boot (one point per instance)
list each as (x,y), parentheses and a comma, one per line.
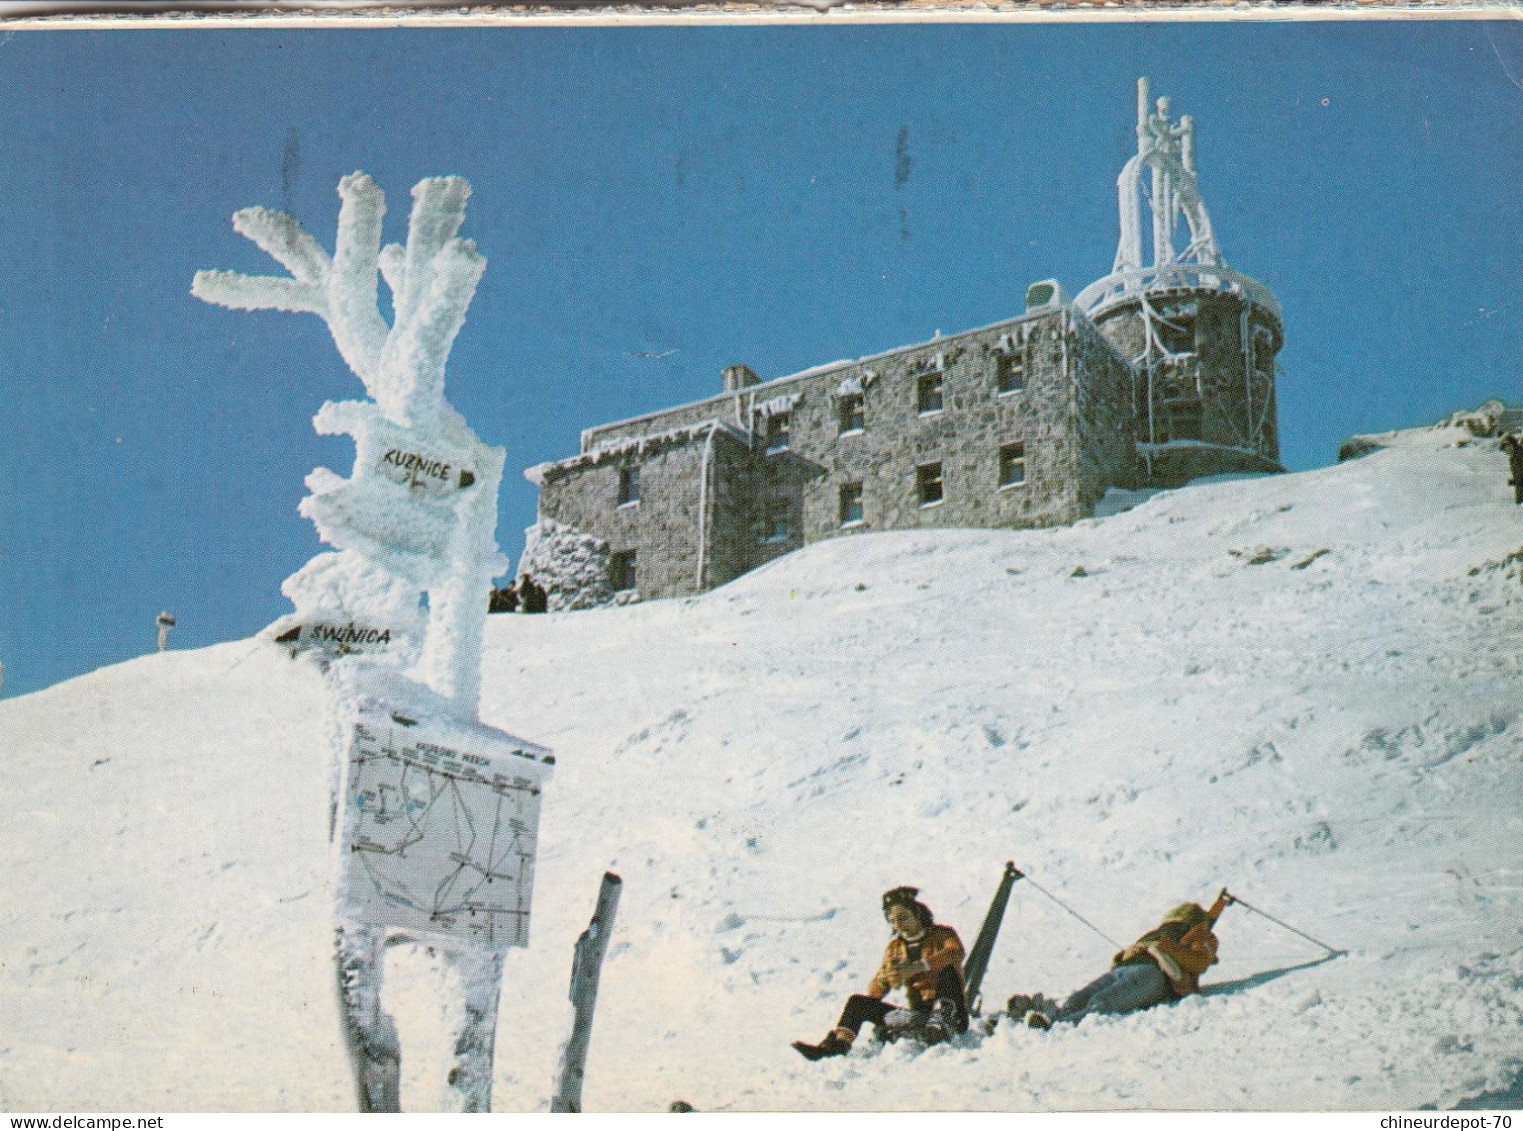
(1019,1005)
(833,1045)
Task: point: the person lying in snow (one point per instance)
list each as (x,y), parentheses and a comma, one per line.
(1163,965)
(923,957)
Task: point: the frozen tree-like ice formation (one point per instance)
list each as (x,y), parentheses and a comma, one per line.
(432,281)
(416,516)
(419,511)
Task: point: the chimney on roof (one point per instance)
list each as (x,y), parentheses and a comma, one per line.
(738,377)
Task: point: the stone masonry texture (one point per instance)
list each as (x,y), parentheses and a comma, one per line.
(715,501)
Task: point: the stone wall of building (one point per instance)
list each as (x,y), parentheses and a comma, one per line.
(660,524)
(963,437)
(1212,409)
(1021,424)
(1104,391)
(737,481)
(728,408)
(1237,342)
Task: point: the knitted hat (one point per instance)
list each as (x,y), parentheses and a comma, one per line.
(905,897)
(1191,913)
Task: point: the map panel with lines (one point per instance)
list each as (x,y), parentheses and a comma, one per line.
(440,825)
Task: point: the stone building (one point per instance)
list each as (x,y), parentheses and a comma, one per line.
(1153,375)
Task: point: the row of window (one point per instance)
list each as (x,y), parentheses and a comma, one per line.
(1009,377)
(928,484)
(852,414)
(930,489)
(930,396)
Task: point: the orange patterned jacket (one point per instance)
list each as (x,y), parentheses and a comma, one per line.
(939,948)
(1191,949)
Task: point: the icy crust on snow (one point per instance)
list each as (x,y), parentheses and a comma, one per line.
(1139,709)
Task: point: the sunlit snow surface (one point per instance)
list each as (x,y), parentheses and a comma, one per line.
(1306,688)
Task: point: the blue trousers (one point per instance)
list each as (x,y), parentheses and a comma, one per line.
(1121,989)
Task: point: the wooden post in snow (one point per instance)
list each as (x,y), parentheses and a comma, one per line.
(586,966)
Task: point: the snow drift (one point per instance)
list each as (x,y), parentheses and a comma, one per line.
(1306,688)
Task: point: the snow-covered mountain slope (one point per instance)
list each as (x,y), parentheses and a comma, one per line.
(1305,688)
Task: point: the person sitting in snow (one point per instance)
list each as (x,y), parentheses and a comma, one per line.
(1163,965)
(1512,445)
(925,958)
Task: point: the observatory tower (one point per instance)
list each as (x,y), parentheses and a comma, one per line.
(1201,336)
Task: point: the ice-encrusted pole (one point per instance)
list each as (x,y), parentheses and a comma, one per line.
(586,969)
(417,515)
(438,534)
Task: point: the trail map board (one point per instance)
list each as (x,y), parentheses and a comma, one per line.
(440,828)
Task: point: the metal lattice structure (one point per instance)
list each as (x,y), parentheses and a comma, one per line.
(1201,336)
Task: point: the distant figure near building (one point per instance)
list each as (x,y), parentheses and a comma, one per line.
(504,600)
(1160,372)
(1512,446)
(165,623)
(532,596)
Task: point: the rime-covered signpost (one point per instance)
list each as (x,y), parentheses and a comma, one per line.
(439,813)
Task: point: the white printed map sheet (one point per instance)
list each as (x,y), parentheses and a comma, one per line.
(440,828)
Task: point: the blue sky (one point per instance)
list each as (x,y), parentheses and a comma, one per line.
(780,197)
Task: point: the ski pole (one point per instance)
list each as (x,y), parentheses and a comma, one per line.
(1250,907)
(1072,912)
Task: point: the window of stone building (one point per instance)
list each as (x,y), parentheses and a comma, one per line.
(1176,331)
(1263,352)
(928,486)
(629,485)
(1012,465)
(777,431)
(928,390)
(779,521)
(1181,421)
(1010,371)
(851,504)
(853,413)
(621,570)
